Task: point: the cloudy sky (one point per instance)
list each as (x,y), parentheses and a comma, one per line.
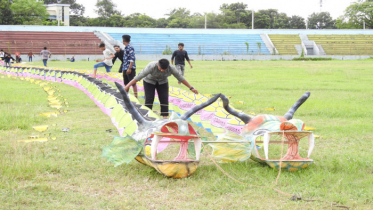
(157,9)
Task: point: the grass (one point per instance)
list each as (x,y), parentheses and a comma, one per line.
(68,173)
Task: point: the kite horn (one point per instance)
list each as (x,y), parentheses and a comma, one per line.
(293,109)
(244,117)
(195,109)
(130,107)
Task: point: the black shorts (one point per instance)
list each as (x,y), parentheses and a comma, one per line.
(128,77)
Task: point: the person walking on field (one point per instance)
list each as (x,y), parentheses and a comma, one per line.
(180,56)
(2,54)
(155,78)
(119,53)
(107,62)
(44,55)
(129,63)
(30,54)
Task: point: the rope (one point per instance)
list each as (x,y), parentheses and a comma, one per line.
(292,197)
(234,179)
(282,150)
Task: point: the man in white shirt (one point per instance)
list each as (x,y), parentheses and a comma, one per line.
(107,62)
(2,54)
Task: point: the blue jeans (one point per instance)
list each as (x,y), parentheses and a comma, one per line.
(29,59)
(45,62)
(8,64)
(102,64)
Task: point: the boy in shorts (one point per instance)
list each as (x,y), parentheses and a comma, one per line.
(106,62)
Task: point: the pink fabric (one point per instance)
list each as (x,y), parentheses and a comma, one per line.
(206,116)
(234,128)
(186,105)
(219,122)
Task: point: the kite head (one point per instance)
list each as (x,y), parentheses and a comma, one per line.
(267,131)
(154,138)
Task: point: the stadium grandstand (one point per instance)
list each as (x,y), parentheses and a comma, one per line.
(201,44)
(345,44)
(285,44)
(198,44)
(60,43)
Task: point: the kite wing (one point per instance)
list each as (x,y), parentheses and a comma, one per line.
(121,150)
(231,152)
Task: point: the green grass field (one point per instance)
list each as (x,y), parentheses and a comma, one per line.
(68,173)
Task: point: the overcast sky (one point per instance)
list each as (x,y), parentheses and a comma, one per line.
(157,9)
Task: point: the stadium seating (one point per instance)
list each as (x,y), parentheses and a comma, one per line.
(59,43)
(345,44)
(196,44)
(285,43)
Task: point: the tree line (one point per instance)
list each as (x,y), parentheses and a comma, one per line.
(235,15)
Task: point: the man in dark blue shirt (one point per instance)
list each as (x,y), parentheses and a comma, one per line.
(180,56)
(129,64)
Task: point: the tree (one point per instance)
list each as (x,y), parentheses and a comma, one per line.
(79,21)
(115,21)
(197,21)
(6,13)
(29,12)
(356,14)
(214,20)
(271,19)
(321,20)
(181,13)
(262,20)
(178,18)
(161,23)
(106,8)
(178,23)
(75,8)
(237,9)
(296,22)
(140,21)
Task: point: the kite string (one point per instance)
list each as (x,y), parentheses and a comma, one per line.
(234,179)
(282,150)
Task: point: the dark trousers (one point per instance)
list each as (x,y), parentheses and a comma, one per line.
(29,59)
(162,91)
(45,62)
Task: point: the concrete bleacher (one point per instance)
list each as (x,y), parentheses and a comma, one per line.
(59,43)
(345,44)
(284,43)
(196,44)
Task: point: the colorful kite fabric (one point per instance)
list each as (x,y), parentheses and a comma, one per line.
(138,126)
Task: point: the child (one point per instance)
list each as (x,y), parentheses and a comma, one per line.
(106,62)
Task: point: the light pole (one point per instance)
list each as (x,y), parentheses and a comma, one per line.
(252,24)
(205,21)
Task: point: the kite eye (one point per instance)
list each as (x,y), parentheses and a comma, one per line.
(260,132)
